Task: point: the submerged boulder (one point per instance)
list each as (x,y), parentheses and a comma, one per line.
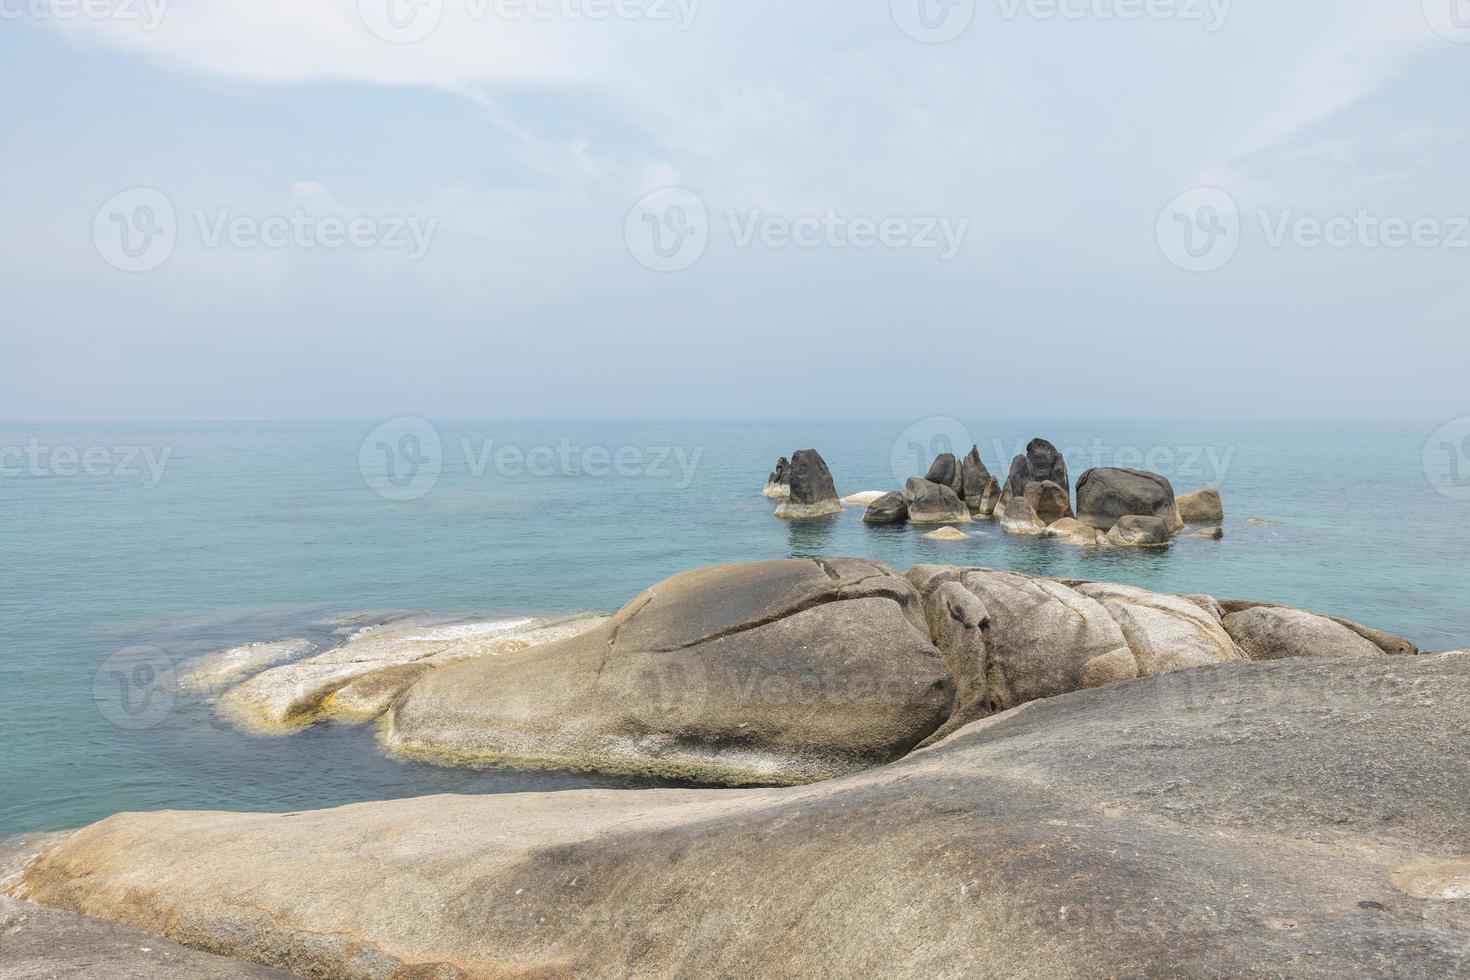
(1201,507)
(947,534)
(933,503)
(776,672)
(1107,494)
(891,508)
(812,492)
(1275,633)
(1132,531)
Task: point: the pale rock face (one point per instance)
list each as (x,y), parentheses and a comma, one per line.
(1020,518)
(947,534)
(1275,633)
(1073,531)
(1164,632)
(1201,507)
(1139,532)
(213,672)
(864,498)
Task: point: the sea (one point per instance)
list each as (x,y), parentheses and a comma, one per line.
(180,540)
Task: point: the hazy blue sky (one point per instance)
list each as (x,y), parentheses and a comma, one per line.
(1039,151)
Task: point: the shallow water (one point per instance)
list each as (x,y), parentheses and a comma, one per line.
(269,531)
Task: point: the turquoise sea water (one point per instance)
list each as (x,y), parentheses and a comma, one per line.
(257,532)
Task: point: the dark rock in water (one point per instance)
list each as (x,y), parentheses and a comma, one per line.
(779,482)
(1201,507)
(975,479)
(1135,531)
(1106,494)
(945,471)
(1215,533)
(1046,463)
(812,492)
(989,500)
(933,503)
(891,508)
(1020,475)
(1049,501)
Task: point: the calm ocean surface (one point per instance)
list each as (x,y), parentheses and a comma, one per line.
(258,532)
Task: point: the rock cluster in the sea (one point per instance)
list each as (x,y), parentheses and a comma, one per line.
(778,484)
(1119,507)
(812,493)
(1111,782)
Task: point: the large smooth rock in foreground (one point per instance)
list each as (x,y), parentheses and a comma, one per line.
(1394,646)
(933,503)
(1201,507)
(776,672)
(1301,819)
(1274,633)
(1164,632)
(891,508)
(1105,495)
(38,943)
(812,493)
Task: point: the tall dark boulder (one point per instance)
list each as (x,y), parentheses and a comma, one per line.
(1046,463)
(945,471)
(812,492)
(778,484)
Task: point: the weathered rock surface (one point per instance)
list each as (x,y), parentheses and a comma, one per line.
(38,943)
(1210,533)
(1201,507)
(863,498)
(891,508)
(985,504)
(1105,495)
(776,672)
(1390,644)
(933,503)
(1302,819)
(213,672)
(373,667)
(1032,638)
(778,484)
(1164,632)
(947,534)
(1073,531)
(1275,632)
(812,492)
(1046,463)
(1049,501)
(1020,517)
(1139,532)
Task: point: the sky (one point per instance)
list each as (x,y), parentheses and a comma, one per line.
(349,209)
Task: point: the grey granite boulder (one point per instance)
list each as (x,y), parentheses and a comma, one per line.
(775,672)
(1019,517)
(1049,501)
(1394,646)
(945,471)
(891,508)
(1164,632)
(1133,531)
(1275,633)
(1201,507)
(1046,463)
(778,484)
(812,492)
(976,482)
(933,503)
(1105,495)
